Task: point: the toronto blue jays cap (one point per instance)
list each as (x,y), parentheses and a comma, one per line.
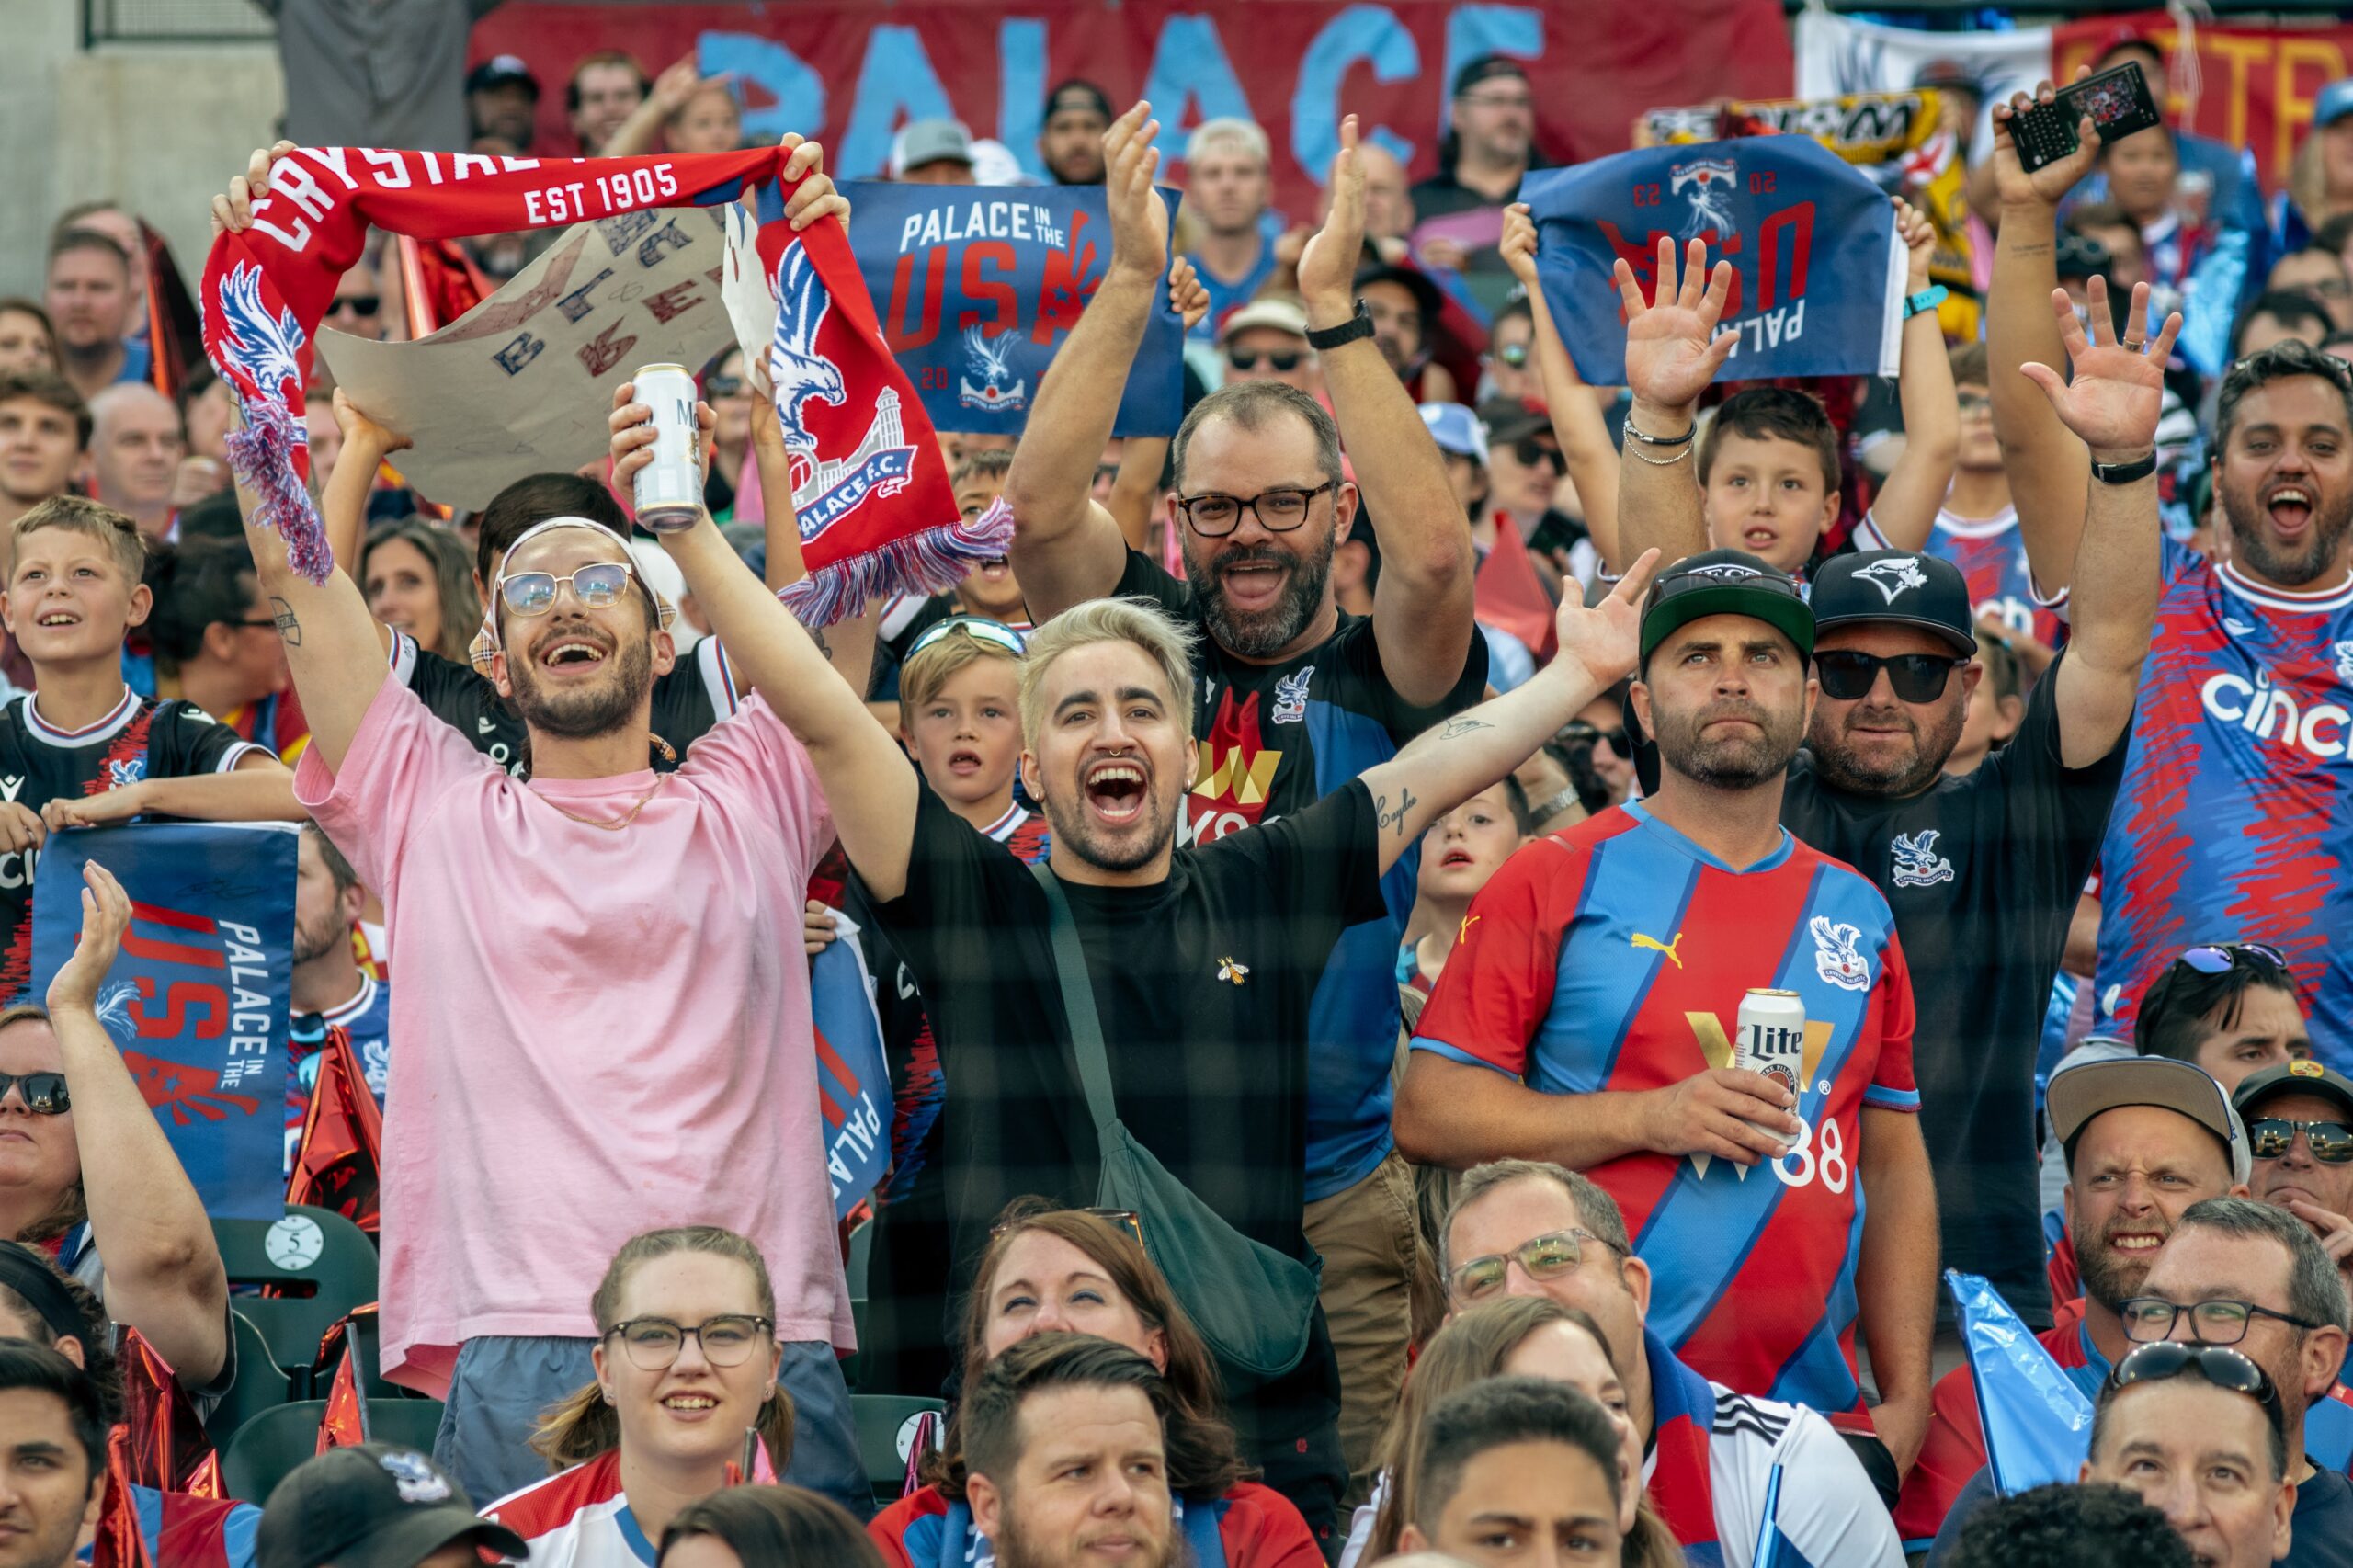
(1725,582)
(1456,430)
(1876,586)
(2336,101)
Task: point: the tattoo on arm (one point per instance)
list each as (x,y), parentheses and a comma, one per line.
(2030,248)
(1384,817)
(819,638)
(1457,728)
(282,615)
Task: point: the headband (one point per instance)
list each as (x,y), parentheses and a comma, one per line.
(34,1278)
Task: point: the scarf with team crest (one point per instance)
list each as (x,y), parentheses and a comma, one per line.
(876,513)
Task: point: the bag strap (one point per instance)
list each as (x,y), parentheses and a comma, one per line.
(1078,1003)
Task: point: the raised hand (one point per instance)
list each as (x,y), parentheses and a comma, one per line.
(2044,187)
(1673,349)
(1327,266)
(233,210)
(631,424)
(678,84)
(814,196)
(1606,639)
(358,430)
(1517,246)
(1920,237)
(106,915)
(1139,217)
(1186,293)
(2112,402)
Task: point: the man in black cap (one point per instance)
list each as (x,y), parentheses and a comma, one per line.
(1403,306)
(1490,140)
(1983,870)
(1070,142)
(503,101)
(376,1506)
(2299,1120)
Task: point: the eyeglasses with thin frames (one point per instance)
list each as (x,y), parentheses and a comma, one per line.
(2149,1318)
(1547,1256)
(597,586)
(727,1340)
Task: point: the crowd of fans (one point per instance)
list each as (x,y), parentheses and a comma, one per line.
(1312,883)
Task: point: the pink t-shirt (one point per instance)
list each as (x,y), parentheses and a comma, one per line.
(601,1033)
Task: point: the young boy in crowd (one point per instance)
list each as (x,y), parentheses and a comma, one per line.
(1460,852)
(84,750)
(1977,526)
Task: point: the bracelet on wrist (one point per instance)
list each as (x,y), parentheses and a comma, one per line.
(1633,433)
(1680,453)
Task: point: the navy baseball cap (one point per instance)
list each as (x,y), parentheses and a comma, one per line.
(2334,102)
(1878,586)
(499,71)
(371,1505)
(1725,582)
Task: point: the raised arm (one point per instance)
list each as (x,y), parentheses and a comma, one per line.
(1449,763)
(1066,548)
(1672,351)
(2110,407)
(343,507)
(2047,464)
(1576,418)
(163,1273)
(1906,505)
(671,91)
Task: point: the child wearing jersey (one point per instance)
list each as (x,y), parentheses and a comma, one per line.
(1977,528)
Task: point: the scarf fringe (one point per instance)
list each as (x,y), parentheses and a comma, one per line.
(262,457)
(930,561)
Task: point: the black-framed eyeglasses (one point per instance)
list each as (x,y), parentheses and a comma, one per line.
(978,628)
(2268,1137)
(727,1340)
(2220,958)
(1127,1220)
(2149,1318)
(1547,1256)
(2219,1365)
(597,586)
(1279,511)
(1280,360)
(43,1093)
(1849,674)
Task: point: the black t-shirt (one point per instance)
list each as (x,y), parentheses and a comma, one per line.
(143,738)
(2321,1532)
(1275,739)
(696,693)
(1982,873)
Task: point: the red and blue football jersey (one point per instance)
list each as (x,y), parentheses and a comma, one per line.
(1991,555)
(2234,822)
(1613,958)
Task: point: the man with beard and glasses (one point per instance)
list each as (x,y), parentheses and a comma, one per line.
(1983,871)
(2235,818)
(2144,1138)
(1290,698)
(1587,1016)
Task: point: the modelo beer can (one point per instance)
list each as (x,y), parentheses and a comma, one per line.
(669,489)
(1771,1039)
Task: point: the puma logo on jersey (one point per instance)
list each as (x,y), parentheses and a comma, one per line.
(1652,944)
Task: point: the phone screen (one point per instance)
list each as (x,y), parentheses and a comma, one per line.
(2110,98)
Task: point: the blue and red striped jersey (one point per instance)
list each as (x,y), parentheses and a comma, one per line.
(2235,822)
(1613,958)
(1991,556)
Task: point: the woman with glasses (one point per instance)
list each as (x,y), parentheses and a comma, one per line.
(686,1385)
(728,391)
(1508,1336)
(1086,1272)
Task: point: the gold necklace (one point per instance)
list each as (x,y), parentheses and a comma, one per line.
(619,823)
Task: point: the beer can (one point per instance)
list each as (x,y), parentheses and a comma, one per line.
(669,489)
(1771,1039)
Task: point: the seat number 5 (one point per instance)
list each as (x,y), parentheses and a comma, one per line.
(1810,1156)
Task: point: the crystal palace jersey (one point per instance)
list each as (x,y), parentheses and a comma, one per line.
(1991,556)
(141,738)
(1614,957)
(2235,820)
(578,1519)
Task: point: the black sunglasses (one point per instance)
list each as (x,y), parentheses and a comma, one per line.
(1280,360)
(1848,675)
(1531,450)
(358,304)
(718,386)
(2268,1137)
(2217,1364)
(1577,730)
(43,1093)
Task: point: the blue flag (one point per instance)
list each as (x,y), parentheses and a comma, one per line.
(197,1001)
(1818,271)
(977,286)
(2038,1424)
(1775,1549)
(853,1081)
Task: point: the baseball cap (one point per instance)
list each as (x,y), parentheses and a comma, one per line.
(1486,68)
(2305,1077)
(1880,586)
(2334,102)
(1510,419)
(2081,1093)
(372,1506)
(499,71)
(993,164)
(1456,430)
(1425,295)
(1274,311)
(1725,582)
(930,142)
(1077,93)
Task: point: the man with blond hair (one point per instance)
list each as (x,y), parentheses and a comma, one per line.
(1229,183)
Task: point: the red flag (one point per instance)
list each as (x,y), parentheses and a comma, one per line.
(439,283)
(167,1447)
(337,1163)
(345,1425)
(1509,597)
(119,1543)
(175,330)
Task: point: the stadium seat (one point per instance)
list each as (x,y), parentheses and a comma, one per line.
(880,1418)
(261,1383)
(266,1449)
(312,1247)
(861,1251)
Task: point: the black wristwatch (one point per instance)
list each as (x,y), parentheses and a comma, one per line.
(1328,338)
(2126,473)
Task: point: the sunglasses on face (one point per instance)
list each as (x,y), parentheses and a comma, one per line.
(597,586)
(1577,730)
(1277,359)
(977,628)
(2268,1137)
(716,387)
(1546,1256)
(1512,355)
(653,1344)
(1531,450)
(2149,1320)
(43,1093)
(2220,958)
(357,304)
(1848,675)
(2225,1368)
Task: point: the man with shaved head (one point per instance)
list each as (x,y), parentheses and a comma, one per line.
(136,444)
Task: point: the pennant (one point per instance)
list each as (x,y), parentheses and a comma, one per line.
(168,1448)
(876,515)
(120,1542)
(345,1425)
(2038,1424)
(853,1082)
(338,1163)
(175,327)
(439,282)
(1508,595)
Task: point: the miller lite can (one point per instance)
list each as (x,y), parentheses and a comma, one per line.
(669,489)
(1770,1040)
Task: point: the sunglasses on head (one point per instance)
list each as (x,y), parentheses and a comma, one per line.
(43,1093)
(2220,958)
(358,304)
(2270,1137)
(1126,1219)
(1277,359)
(2219,1365)
(1511,355)
(596,585)
(1848,675)
(980,628)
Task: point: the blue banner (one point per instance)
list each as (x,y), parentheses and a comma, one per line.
(977,286)
(2038,1424)
(197,1001)
(853,1080)
(1818,274)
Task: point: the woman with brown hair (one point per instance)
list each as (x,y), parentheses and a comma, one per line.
(1082,1272)
(767,1527)
(1518,1335)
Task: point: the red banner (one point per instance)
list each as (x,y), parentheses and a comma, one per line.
(2255,85)
(851,72)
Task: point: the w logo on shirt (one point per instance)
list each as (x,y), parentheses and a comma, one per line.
(1837,958)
